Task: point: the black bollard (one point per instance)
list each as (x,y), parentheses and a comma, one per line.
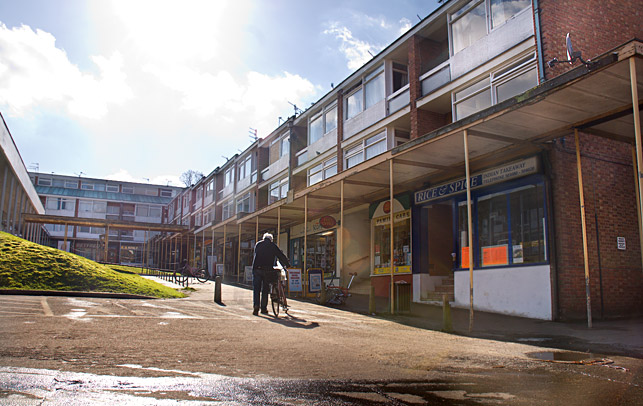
(217,289)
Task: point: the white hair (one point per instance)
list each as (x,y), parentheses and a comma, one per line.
(267,236)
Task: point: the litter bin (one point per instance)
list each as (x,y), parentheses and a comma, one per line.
(402,297)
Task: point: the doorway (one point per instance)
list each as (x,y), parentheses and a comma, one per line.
(439,240)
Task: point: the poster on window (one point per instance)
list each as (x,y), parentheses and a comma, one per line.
(494,255)
(314,280)
(464,257)
(517,254)
(220,268)
(248,273)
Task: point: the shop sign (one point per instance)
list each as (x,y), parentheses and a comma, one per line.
(125,247)
(294,279)
(387,270)
(396,218)
(496,175)
(327,222)
(314,227)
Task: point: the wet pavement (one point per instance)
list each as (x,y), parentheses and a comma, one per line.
(71,350)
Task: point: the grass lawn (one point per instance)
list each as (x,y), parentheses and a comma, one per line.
(26,265)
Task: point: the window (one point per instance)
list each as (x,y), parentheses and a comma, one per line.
(322,123)
(85,206)
(322,171)
(166,193)
(199,193)
(227,177)
(87,186)
(227,210)
(245,168)
(142,210)
(284,146)
(366,94)
(84,229)
(57,203)
(71,184)
(367,149)
(100,207)
(197,220)
(113,188)
(497,87)
(400,76)
(113,209)
(44,182)
(209,188)
(273,193)
(186,202)
(243,204)
(155,212)
(151,192)
(128,189)
(97,230)
(99,187)
(510,228)
(472,22)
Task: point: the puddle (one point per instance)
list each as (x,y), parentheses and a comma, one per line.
(563,356)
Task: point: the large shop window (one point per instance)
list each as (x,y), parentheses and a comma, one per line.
(498,86)
(478,17)
(509,226)
(401,244)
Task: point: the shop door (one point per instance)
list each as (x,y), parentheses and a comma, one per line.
(440,239)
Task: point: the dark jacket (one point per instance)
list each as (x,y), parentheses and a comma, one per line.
(266,252)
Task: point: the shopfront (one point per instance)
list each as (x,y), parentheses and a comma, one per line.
(381,243)
(321,244)
(510,258)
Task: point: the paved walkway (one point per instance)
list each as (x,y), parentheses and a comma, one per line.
(606,337)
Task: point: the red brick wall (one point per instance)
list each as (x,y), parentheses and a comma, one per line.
(595,26)
(609,191)
(382,284)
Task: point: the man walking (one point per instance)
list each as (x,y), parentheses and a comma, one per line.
(265,256)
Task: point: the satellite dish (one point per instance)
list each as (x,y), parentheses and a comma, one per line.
(571,55)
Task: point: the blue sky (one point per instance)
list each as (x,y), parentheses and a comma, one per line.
(137,90)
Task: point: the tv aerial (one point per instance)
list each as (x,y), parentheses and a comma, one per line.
(572,55)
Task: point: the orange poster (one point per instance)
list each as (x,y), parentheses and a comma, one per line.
(464,257)
(495,255)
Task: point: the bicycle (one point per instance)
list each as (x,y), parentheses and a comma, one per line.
(336,295)
(278,291)
(188,271)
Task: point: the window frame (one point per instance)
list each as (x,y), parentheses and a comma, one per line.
(321,169)
(322,116)
(361,148)
(368,78)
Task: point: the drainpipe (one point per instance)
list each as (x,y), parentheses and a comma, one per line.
(539,41)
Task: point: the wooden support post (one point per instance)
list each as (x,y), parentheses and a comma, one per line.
(306,287)
(225,235)
(392,236)
(65,240)
(581,197)
(278,225)
(341,227)
(469,227)
(239,256)
(106,244)
(639,152)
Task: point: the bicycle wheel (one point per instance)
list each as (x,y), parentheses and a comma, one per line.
(333,295)
(201,276)
(274,299)
(178,278)
(282,297)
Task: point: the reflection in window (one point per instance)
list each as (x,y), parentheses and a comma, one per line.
(502,10)
(517,85)
(354,104)
(469,28)
(528,225)
(374,91)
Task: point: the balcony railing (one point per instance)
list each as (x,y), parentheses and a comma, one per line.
(398,100)
(435,78)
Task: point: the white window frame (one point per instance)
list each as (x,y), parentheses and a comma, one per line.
(227,176)
(70,184)
(127,190)
(361,149)
(166,193)
(245,202)
(465,9)
(245,168)
(44,182)
(85,206)
(87,186)
(361,86)
(322,115)
(209,188)
(495,78)
(284,144)
(227,209)
(322,169)
(112,188)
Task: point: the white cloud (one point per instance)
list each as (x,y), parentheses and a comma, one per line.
(405,25)
(355,50)
(33,72)
(123,175)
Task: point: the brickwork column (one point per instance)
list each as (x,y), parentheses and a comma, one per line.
(415,91)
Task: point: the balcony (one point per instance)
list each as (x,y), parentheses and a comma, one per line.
(435,78)
(398,100)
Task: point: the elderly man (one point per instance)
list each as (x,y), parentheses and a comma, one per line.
(265,257)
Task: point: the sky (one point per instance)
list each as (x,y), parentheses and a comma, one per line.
(141,91)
